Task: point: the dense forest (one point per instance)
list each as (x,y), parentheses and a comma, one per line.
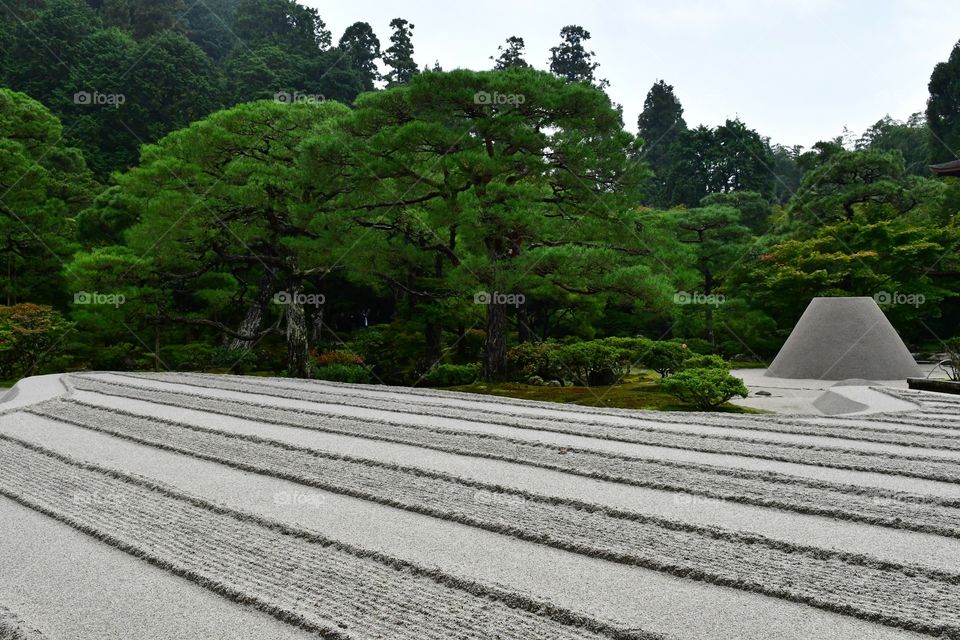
(225,185)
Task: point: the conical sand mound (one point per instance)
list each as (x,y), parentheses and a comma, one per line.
(841,338)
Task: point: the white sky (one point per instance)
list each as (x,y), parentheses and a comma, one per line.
(795,70)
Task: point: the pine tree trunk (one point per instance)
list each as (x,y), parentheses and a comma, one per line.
(708,291)
(495,351)
(298,365)
(524,333)
(255,312)
(316,326)
(433,334)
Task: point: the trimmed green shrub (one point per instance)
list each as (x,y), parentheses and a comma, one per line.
(696,345)
(706,389)
(593,363)
(704,362)
(452,375)
(353,373)
(665,357)
(328,358)
(533,359)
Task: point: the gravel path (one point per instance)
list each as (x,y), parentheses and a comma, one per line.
(855,585)
(369,512)
(916,474)
(777,429)
(72,586)
(850,537)
(12,627)
(624,595)
(320,585)
(875,506)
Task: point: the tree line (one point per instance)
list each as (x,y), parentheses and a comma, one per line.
(221,185)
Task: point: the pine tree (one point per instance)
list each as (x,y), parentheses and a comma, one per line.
(399,55)
(571,60)
(511,55)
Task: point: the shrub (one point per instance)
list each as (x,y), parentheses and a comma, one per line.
(533,359)
(594,362)
(696,345)
(29,333)
(194,356)
(665,357)
(328,358)
(391,351)
(704,362)
(353,373)
(238,360)
(452,375)
(705,389)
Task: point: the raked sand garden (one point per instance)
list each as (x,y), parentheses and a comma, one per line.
(197,506)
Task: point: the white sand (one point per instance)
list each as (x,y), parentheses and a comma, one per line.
(863,478)
(889,544)
(68,585)
(627,595)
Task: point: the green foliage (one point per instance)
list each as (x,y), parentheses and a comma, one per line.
(853,181)
(511,55)
(571,60)
(352,373)
(911,139)
(45,184)
(399,55)
(141,18)
(943,108)
(661,126)
(710,361)
(30,335)
(234,359)
(339,356)
(283,22)
(362,47)
(665,358)
(196,356)
(533,359)
(452,375)
(706,389)
(593,363)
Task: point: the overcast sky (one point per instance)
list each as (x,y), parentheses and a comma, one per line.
(795,70)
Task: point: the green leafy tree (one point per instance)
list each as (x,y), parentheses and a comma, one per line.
(718,241)
(225,214)
(505,197)
(142,18)
(511,55)
(29,335)
(943,108)
(571,60)
(208,25)
(399,55)
(43,184)
(755,210)
(281,22)
(868,255)
(40,53)
(853,180)
(661,126)
(362,47)
(910,138)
